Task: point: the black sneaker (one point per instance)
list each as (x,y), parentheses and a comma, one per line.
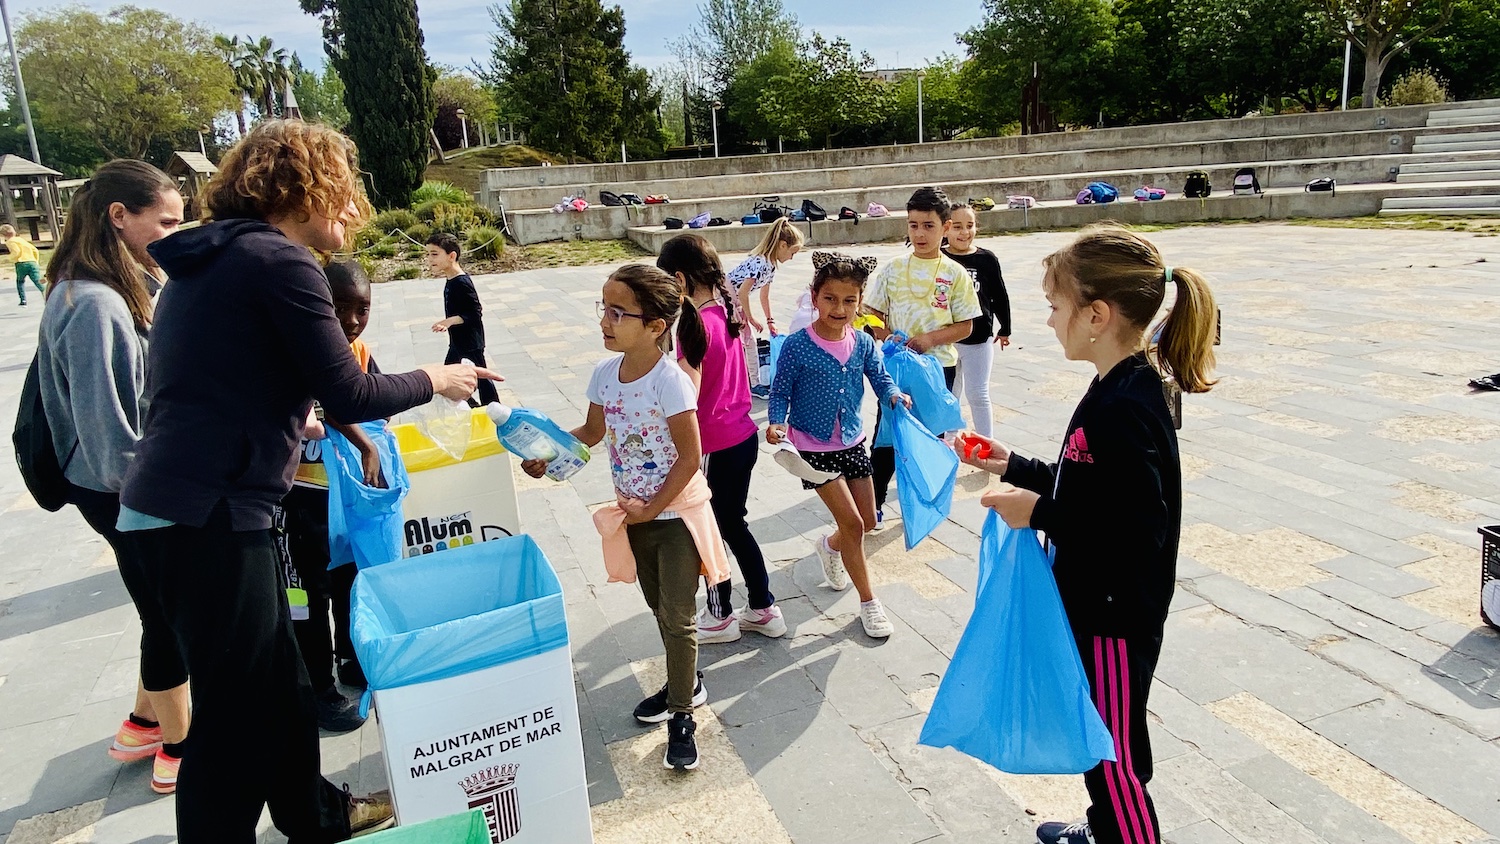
(682,750)
(653,710)
(351,675)
(1488,382)
(1064,833)
(338,714)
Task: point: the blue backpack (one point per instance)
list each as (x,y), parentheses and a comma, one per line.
(1102,191)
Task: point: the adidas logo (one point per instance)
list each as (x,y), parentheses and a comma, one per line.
(1078,448)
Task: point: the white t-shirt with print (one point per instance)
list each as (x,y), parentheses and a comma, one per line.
(758,267)
(924,294)
(641,451)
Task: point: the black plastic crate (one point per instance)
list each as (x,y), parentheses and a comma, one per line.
(1489,570)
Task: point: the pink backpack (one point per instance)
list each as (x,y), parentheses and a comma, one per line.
(875,209)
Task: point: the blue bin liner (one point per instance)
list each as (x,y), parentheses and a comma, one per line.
(464,610)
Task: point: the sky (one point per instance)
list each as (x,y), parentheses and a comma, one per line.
(457,31)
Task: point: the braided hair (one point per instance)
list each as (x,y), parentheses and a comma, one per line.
(698,262)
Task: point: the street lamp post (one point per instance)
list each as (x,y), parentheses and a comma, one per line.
(715,112)
(921,74)
(201,147)
(1344,97)
(15,64)
(465,125)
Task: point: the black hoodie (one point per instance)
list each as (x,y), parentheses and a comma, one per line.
(243,340)
(1112,504)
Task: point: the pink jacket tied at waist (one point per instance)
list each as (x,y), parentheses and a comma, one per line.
(692,507)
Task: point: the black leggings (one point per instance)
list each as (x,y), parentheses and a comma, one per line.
(327,589)
(728,474)
(884,457)
(162,663)
(222,593)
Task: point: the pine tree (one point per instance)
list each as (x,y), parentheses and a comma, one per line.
(376,48)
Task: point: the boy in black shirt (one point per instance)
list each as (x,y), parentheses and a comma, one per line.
(463,315)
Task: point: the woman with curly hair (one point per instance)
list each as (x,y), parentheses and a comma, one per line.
(245,338)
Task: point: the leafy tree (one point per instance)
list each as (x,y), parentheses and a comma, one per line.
(827,93)
(1070,43)
(762,97)
(1384,29)
(454,92)
(947,102)
(124,78)
(560,66)
(320,94)
(731,34)
(1465,53)
(274,76)
(246,74)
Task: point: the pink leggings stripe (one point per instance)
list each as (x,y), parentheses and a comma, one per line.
(1112,697)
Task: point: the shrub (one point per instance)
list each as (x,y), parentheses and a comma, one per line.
(383,249)
(406,271)
(484,242)
(395,219)
(440,191)
(454,219)
(367,264)
(419,232)
(367,237)
(1416,87)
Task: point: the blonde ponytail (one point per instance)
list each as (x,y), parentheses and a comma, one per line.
(1186,348)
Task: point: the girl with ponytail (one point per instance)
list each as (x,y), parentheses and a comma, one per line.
(1112,503)
(778,245)
(728,436)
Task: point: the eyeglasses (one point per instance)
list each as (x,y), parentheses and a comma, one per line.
(615,314)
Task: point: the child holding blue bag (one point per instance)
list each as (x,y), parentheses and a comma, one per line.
(1112,505)
(815,404)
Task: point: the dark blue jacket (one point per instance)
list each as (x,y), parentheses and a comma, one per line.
(817,387)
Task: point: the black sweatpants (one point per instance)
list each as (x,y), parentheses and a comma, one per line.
(307,544)
(728,474)
(1120,672)
(162,664)
(254,740)
(486,393)
(884,458)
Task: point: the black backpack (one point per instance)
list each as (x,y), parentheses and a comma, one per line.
(1323,184)
(718,221)
(1246,182)
(632,199)
(813,211)
(769,209)
(34,451)
(1197,185)
(847,213)
(673,223)
(610,198)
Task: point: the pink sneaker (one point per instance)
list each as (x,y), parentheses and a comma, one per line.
(715,630)
(164,773)
(133,742)
(767,622)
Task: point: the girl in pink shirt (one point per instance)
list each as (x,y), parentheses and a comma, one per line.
(729,439)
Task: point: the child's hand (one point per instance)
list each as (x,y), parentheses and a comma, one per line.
(775,434)
(771,324)
(369,461)
(756,324)
(535,467)
(901,398)
(1014,505)
(997,461)
(440,326)
(636,511)
(919,344)
(1002,340)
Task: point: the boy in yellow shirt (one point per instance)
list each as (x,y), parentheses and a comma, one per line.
(26,259)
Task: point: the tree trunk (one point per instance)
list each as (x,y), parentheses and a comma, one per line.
(239,115)
(1374,68)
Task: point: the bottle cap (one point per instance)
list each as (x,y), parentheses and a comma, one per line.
(498,413)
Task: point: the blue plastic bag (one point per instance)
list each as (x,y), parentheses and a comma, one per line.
(466,609)
(777,341)
(364,523)
(921,377)
(1016,695)
(926,469)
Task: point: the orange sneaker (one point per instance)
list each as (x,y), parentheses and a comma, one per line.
(164,773)
(133,742)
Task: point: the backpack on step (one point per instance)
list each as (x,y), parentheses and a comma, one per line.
(1084,197)
(1197,185)
(813,211)
(1324,184)
(1102,192)
(1245,182)
(769,209)
(611,199)
(847,213)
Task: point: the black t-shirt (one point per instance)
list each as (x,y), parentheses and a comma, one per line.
(460,299)
(984,268)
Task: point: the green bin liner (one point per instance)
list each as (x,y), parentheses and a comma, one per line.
(465,828)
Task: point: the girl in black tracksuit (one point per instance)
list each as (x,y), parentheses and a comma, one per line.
(1112,503)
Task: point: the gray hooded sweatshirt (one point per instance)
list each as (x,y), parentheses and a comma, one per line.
(92,363)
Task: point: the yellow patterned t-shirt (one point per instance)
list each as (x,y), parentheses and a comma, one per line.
(919,295)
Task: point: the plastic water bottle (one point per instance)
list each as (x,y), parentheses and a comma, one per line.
(532,436)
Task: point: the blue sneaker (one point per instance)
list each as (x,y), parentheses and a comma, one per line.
(761,392)
(1064,833)
(879,518)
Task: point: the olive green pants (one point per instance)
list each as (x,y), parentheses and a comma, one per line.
(667,567)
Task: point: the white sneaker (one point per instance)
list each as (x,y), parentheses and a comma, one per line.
(714,630)
(767,622)
(872,616)
(833,566)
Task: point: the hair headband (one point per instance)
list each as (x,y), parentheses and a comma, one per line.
(823,259)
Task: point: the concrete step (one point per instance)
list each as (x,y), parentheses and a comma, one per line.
(1449,176)
(1440,212)
(1474,201)
(1457,137)
(1450,165)
(1464,116)
(1456,146)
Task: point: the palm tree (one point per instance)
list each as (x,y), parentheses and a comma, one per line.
(246,71)
(275,71)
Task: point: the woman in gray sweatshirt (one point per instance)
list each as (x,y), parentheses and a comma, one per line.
(92,363)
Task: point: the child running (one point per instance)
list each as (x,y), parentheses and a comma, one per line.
(25,257)
(463,315)
(926,296)
(815,403)
(729,440)
(661,530)
(305,507)
(1112,504)
(976,354)
(780,242)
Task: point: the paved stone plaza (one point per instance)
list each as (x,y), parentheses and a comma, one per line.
(1325,676)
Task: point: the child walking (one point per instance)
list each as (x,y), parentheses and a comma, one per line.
(305,521)
(976,354)
(926,296)
(777,246)
(1112,503)
(729,440)
(25,257)
(815,404)
(661,529)
(463,315)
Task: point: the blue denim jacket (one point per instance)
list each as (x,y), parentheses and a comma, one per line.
(819,389)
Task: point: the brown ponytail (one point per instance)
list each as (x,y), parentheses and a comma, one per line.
(660,297)
(1115,265)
